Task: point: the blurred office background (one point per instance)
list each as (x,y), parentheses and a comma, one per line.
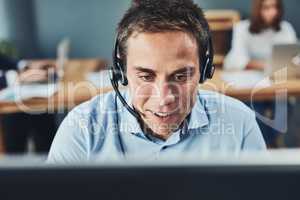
(35,27)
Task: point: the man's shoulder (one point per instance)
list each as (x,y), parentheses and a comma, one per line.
(95,108)
(230,106)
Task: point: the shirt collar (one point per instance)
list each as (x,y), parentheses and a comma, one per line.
(199,115)
(129,124)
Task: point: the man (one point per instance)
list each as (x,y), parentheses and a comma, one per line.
(161,45)
(19,127)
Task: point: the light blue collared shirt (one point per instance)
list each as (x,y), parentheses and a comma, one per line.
(103,129)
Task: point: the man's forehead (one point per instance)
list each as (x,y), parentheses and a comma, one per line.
(152,50)
(168,38)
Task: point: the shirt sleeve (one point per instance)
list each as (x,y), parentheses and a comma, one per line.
(70,143)
(253,139)
(291,35)
(238,57)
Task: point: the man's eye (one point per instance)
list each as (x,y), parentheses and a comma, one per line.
(180,77)
(146,78)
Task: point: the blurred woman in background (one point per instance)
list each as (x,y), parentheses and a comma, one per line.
(253,39)
(252,44)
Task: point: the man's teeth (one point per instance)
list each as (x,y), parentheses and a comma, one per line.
(162,114)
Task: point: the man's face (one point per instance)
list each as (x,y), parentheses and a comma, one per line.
(163,76)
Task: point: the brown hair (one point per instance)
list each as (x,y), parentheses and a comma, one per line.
(162,15)
(257,23)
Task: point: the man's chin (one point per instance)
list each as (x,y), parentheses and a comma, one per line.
(163,125)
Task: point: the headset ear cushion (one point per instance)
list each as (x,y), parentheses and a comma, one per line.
(121,74)
(211,71)
(124,80)
(118,75)
(202,78)
(203,70)
(207,71)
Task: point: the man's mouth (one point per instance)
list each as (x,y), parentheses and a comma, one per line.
(163,114)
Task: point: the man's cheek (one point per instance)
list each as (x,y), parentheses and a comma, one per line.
(139,102)
(144,93)
(183,105)
(187,99)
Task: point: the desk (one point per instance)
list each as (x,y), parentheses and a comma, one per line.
(289,87)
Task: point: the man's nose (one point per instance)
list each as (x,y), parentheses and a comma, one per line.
(166,94)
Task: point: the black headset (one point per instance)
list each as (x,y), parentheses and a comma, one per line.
(117,71)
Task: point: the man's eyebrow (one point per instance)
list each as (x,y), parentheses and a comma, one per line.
(143,69)
(187,69)
(184,70)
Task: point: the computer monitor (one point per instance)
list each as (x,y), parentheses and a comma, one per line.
(192,181)
(285,61)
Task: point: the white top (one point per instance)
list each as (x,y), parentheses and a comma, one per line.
(247,46)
